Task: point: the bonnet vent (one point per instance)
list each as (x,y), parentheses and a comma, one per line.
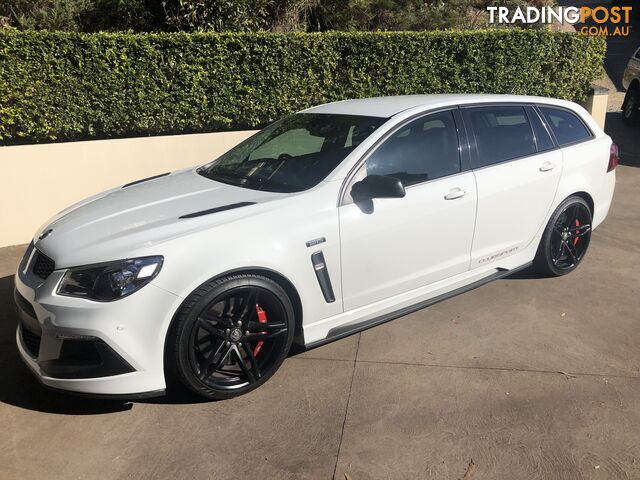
(218,209)
(145,179)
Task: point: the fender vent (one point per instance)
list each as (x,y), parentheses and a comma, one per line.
(218,209)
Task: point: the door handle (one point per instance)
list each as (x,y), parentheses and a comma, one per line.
(455,193)
(547,166)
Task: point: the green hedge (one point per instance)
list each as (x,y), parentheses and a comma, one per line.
(59,86)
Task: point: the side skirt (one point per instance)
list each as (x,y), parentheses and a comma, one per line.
(346,330)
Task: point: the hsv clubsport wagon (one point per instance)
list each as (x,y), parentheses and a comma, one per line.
(327,222)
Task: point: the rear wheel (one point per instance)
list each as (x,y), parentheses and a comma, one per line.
(231,336)
(631,105)
(566,238)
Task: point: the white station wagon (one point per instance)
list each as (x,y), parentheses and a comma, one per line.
(325,223)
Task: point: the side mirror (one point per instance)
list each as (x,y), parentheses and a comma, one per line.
(377,186)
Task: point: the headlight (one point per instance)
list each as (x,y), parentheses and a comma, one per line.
(106,282)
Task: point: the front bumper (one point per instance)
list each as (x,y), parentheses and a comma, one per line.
(98,348)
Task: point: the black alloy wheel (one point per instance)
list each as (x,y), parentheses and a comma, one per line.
(231,335)
(566,238)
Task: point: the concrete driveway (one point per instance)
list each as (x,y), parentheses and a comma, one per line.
(525,378)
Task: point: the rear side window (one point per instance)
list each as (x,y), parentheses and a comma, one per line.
(502,133)
(566,126)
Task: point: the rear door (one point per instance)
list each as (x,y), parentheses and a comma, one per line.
(517,169)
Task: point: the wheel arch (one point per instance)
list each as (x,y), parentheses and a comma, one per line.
(285,283)
(561,197)
(542,261)
(586,197)
(271,274)
(172,375)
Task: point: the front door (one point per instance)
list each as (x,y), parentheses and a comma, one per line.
(399,244)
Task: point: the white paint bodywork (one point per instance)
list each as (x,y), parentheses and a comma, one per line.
(407,251)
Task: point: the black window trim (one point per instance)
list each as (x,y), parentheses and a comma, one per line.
(531,111)
(463,148)
(466,138)
(542,116)
(471,135)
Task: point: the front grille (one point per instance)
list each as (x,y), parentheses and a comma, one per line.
(43,265)
(31,342)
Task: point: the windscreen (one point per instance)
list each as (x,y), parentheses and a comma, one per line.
(292,154)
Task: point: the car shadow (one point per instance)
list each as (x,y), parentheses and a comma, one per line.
(18,386)
(525,274)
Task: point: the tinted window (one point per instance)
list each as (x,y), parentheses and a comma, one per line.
(542,137)
(566,126)
(501,133)
(292,142)
(423,150)
(293,154)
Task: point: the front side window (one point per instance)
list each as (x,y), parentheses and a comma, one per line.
(502,133)
(423,150)
(566,126)
(293,154)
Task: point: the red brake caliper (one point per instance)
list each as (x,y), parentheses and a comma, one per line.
(575,240)
(262,318)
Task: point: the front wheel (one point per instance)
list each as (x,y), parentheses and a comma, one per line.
(231,335)
(566,238)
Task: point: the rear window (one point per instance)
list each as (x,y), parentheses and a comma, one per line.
(566,126)
(502,133)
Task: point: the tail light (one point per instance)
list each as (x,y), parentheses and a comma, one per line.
(614,157)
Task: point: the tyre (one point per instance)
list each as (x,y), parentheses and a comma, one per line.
(566,238)
(230,336)
(630,106)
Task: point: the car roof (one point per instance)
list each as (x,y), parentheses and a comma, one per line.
(389,106)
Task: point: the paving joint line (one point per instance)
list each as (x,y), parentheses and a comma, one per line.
(469,367)
(346,410)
